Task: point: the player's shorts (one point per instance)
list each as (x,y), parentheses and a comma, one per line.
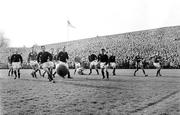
(48,64)
(10,66)
(157,65)
(34,64)
(77,65)
(64,63)
(112,64)
(93,63)
(103,65)
(139,64)
(16,65)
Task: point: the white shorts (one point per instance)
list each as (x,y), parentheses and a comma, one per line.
(103,65)
(77,65)
(16,65)
(48,64)
(34,64)
(93,63)
(112,64)
(60,62)
(157,65)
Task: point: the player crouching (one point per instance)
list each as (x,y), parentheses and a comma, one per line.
(16,61)
(78,67)
(45,60)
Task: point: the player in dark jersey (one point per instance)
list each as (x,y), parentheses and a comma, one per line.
(10,72)
(51,51)
(93,60)
(139,64)
(157,63)
(63,57)
(16,61)
(32,60)
(45,60)
(103,59)
(112,63)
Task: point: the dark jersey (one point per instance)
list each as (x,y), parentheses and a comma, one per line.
(32,56)
(103,58)
(16,58)
(138,58)
(112,59)
(63,56)
(92,57)
(44,57)
(157,58)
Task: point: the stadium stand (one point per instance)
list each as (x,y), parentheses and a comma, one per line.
(148,42)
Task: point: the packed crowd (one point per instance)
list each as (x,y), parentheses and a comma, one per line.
(125,46)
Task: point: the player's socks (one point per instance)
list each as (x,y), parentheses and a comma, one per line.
(32,74)
(69,76)
(107,74)
(114,72)
(54,74)
(15,75)
(103,74)
(19,75)
(97,71)
(90,72)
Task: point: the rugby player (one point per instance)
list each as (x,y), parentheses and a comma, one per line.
(52,53)
(32,60)
(93,60)
(139,64)
(55,60)
(157,63)
(62,58)
(10,72)
(45,60)
(16,61)
(77,63)
(112,63)
(103,59)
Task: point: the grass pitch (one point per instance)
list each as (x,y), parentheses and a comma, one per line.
(89,94)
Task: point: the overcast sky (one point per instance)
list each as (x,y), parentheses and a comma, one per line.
(28,22)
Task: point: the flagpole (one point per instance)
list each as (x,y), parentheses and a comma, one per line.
(67,32)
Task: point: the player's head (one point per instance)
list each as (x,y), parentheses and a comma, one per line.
(52,50)
(43,48)
(103,51)
(57,50)
(33,49)
(64,49)
(16,51)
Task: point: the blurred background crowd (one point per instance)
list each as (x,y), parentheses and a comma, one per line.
(123,46)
